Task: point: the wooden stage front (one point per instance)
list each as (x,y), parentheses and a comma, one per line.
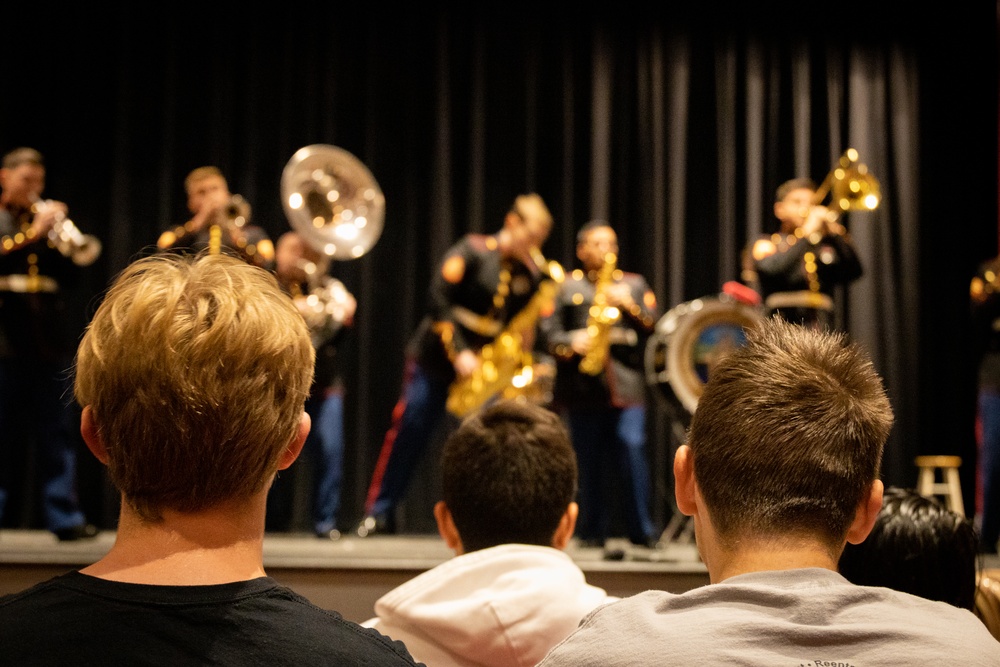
(349,574)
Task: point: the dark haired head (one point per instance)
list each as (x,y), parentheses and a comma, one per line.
(581,234)
(508,475)
(917,546)
(793,184)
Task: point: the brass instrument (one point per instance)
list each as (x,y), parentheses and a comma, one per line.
(327,305)
(82,249)
(233,215)
(506,365)
(601,319)
(850,185)
(334,203)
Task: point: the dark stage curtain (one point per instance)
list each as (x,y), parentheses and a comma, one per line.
(675,126)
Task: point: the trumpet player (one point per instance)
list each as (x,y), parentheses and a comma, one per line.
(37,345)
(328,309)
(604,405)
(797,269)
(220,222)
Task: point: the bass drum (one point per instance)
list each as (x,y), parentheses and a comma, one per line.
(687,343)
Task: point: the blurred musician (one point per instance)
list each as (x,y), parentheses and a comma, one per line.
(984,293)
(36,345)
(603,396)
(328,308)
(481,285)
(219,221)
(797,269)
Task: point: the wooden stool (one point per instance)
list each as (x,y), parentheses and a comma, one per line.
(949,487)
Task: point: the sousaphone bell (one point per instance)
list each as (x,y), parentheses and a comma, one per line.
(331,199)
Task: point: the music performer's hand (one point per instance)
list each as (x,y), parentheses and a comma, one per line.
(210,210)
(466,363)
(620,295)
(581,342)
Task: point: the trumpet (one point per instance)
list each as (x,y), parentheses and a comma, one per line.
(66,237)
(237,210)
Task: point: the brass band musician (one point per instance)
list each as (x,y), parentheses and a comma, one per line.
(219,221)
(328,309)
(480,286)
(597,334)
(797,269)
(36,344)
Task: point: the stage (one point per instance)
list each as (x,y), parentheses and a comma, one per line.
(349,574)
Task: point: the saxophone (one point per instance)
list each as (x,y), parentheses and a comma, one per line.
(506,367)
(601,319)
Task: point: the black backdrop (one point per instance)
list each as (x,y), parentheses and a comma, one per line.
(674,124)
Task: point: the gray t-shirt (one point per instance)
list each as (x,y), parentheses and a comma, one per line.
(808,617)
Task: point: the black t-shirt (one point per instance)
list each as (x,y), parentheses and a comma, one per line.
(76,619)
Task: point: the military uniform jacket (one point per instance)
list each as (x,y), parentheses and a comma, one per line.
(622,382)
(33,311)
(789,264)
(474,295)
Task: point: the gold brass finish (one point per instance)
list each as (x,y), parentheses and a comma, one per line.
(850,185)
(506,366)
(602,318)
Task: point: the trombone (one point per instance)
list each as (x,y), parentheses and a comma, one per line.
(850,186)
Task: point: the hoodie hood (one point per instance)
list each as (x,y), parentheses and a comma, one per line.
(502,606)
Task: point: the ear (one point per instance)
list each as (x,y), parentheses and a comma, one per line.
(866,514)
(92,435)
(567,524)
(446,527)
(294,447)
(778,209)
(685,486)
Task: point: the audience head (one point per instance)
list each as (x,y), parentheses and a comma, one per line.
(193,375)
(917,546)
(509,476)
(787,439)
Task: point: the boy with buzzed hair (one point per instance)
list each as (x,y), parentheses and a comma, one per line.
(508,481)
(193,375)
(779,473)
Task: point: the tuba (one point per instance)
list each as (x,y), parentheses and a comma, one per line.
(334,203)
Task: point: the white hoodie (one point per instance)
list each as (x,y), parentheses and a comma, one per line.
(505,606)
